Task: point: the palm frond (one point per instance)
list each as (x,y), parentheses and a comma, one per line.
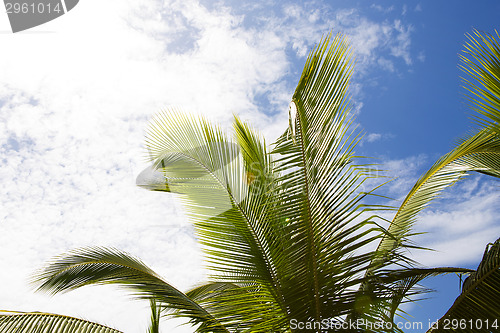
(109,266)
(321,190)
(29,322)
(226,188)
(481,62)
(243,308)
(477,308)
(480,152)
(401,285)
(154,325)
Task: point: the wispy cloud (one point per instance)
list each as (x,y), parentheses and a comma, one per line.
(382,9)
(404,10)
(421,56)
(386,64)
(372,137)
(402,47)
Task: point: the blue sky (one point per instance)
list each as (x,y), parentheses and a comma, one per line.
(76,95)
(427,96)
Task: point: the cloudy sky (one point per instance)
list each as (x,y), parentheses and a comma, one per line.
(76,95)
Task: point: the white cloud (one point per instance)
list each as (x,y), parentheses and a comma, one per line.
(404,10)
(461,226)
(386,64)
(402,47)
(406,172)
(421,56)
(372,137)
(376,43)
(382,9)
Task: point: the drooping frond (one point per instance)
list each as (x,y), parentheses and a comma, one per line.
(480,152)
(109,266)
(30,322)
(477,309)
(225,186)
(481,62)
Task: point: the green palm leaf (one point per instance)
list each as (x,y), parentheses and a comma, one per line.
(29,322)
(321,191)
(481,61)
(477,308)
(154,326)
(480,152)
(108,266)
(247,309)
(226,187)
(401,286)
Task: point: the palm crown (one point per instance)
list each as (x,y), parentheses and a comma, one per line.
(285,231)
(290,238)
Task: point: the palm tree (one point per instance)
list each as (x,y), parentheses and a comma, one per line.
(293,238)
